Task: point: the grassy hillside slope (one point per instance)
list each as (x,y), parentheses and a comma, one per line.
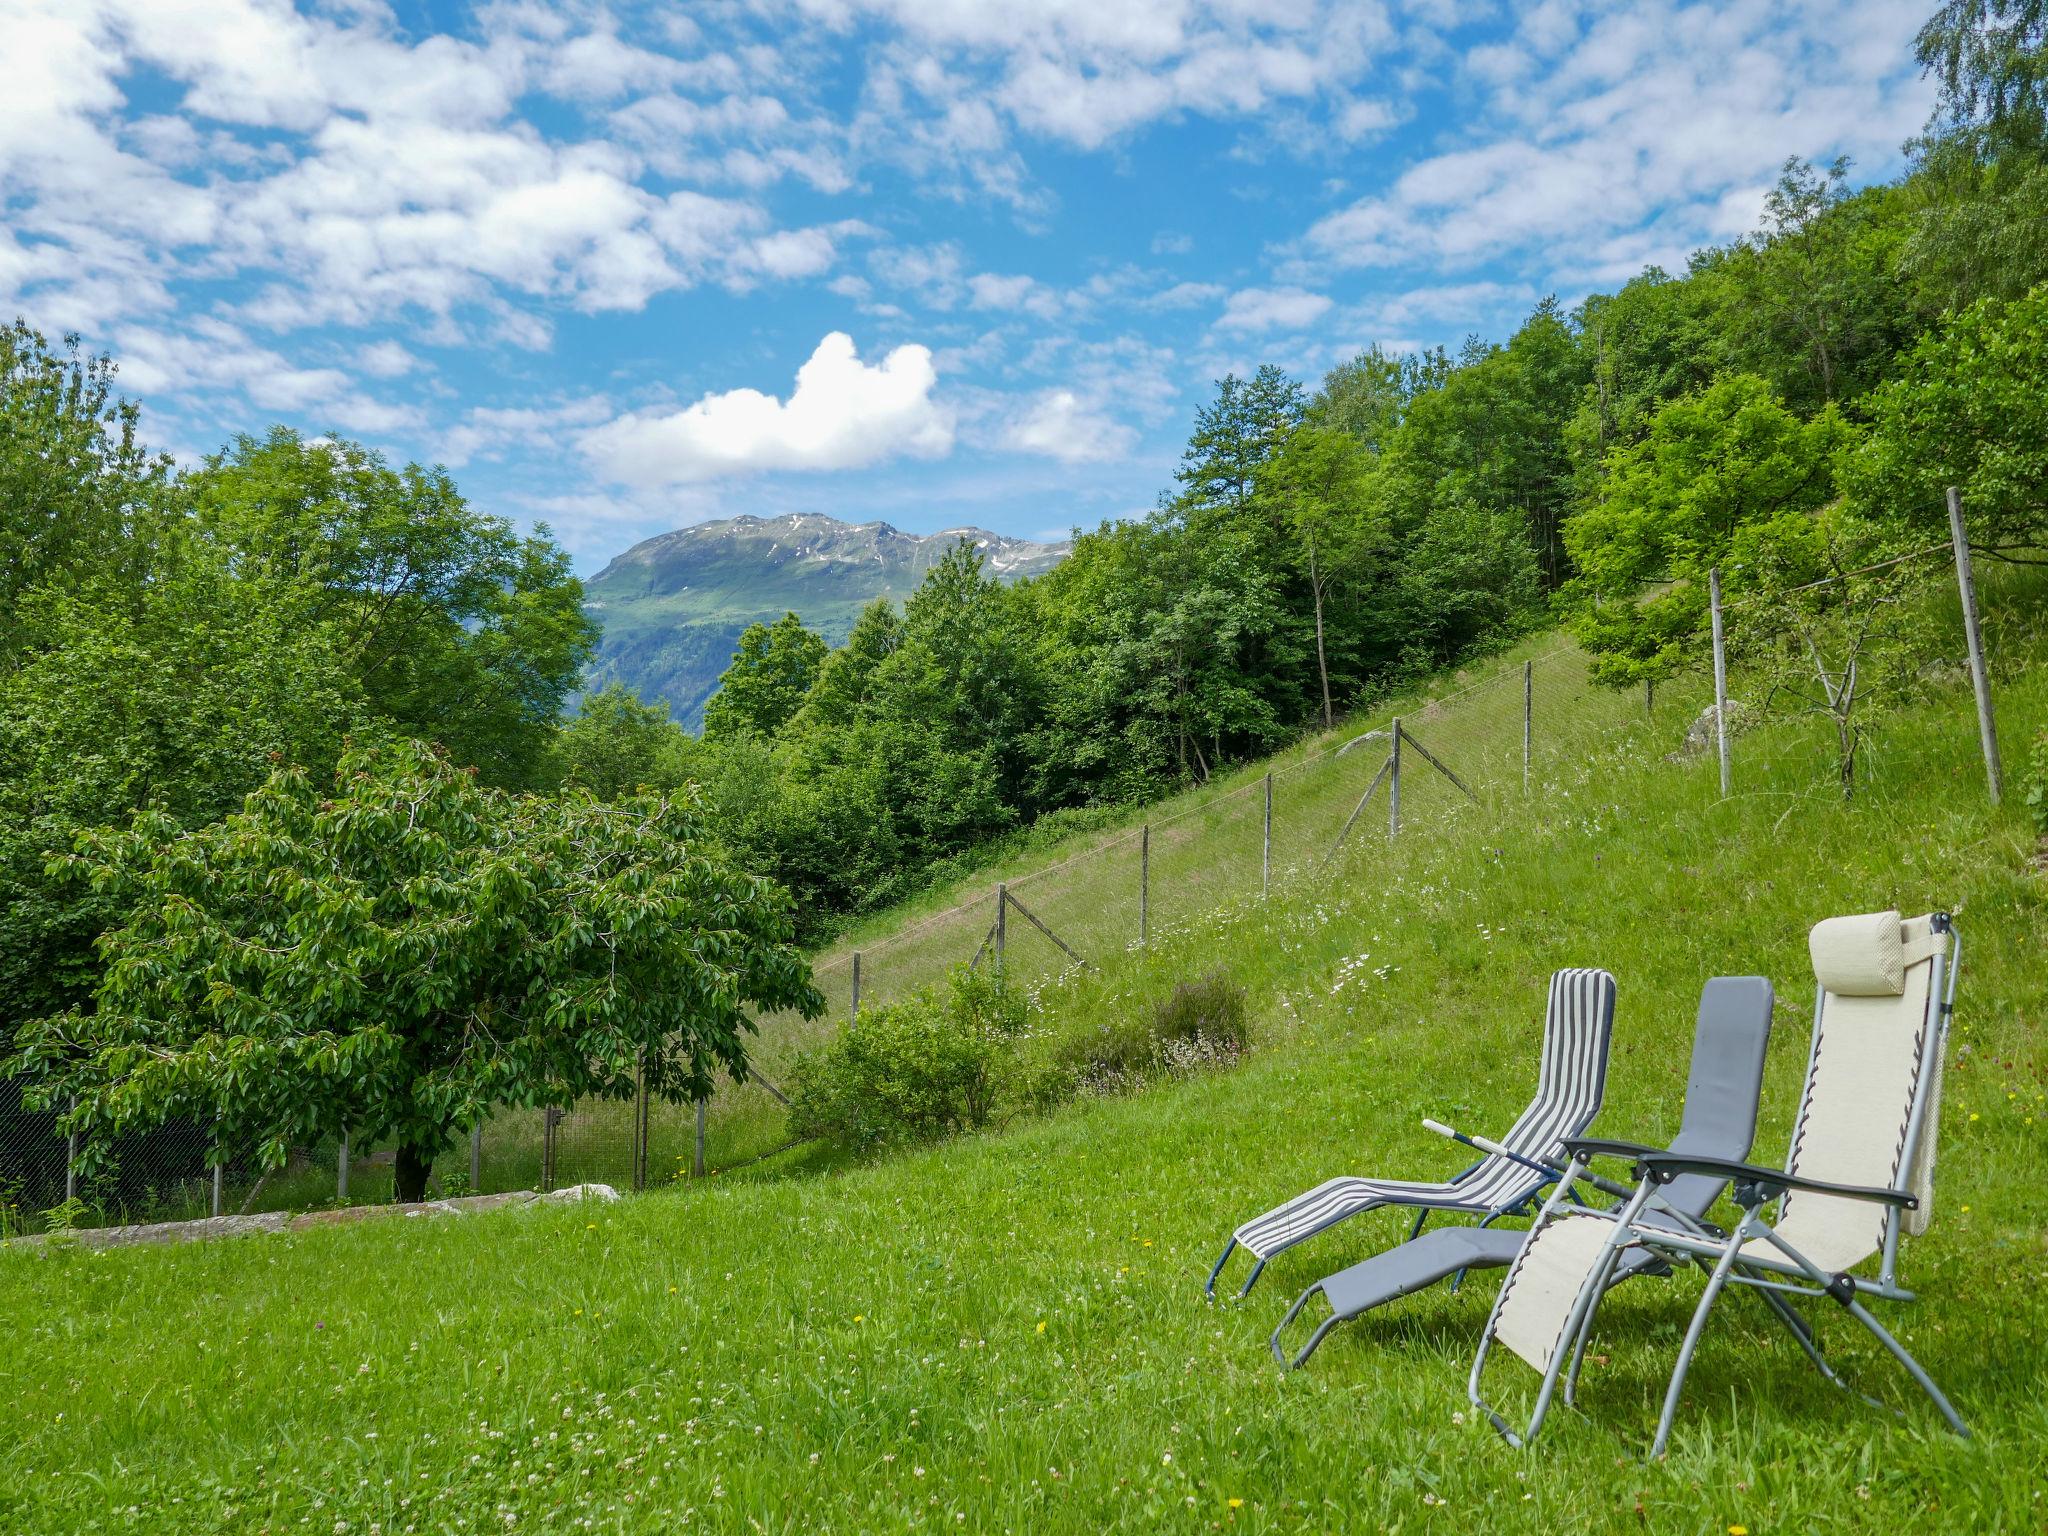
(1006,1334)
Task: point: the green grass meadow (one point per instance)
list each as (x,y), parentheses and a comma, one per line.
(1007,1333)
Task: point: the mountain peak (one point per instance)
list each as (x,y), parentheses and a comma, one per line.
(673,605)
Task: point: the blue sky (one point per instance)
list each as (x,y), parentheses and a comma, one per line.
(626,267)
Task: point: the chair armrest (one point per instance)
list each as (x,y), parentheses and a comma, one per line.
(1605,1146)
(1665,1166)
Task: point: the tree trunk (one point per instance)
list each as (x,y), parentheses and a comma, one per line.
(412,1167)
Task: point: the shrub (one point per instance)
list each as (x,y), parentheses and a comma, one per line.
(2035,791)
(1200,1023)
(917,1070)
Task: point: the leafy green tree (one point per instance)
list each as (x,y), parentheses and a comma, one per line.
(771,673)
(1316,484)
(1368,396)
(1969,409)
(1234,436)
(181,693)
(1813,300)
(458,630)
(78,490)
(395,954)
(614,744)
(1670,510)
(846,677)
(1991,60)
(1980,176)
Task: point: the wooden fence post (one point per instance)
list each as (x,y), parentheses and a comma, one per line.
(476,1158)
(341,1170)
(1144,883)
(1266,852)
(697,1161)
(640,1127)
(1002,925)
(853,1014)
(1720,676)
(547,1149)
(1394,783)
(1528,711)
(71,1162)
(1980,679)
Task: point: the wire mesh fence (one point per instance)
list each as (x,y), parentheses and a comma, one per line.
(1488,740)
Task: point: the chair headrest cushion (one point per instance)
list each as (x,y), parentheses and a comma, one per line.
(1861,956)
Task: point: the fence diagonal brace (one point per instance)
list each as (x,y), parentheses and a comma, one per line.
(1429,757)
(1032,918)
(986,940)
(1352,819)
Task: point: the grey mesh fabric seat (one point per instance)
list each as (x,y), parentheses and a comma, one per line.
(1721,1093)
(1859,1175)
(1571,1078)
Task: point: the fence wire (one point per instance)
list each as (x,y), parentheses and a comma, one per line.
(1503,730)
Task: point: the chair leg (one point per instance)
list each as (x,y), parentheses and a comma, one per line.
(1913,1367)
(1692,1337)
(1209,1289)
(1798,1327)
(1322,1332)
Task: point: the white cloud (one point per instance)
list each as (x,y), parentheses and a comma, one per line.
(842,414)
(1272,309)
(1059,424)
(1668,115)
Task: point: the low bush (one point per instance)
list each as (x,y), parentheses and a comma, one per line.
(2034,793)
(930,1066)
(1200,1023)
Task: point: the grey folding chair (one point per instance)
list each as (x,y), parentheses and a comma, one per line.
(1506,1180)
(1860,1173)
(1721,1093)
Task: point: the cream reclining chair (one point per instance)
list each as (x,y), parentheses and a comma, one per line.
(1860,1173)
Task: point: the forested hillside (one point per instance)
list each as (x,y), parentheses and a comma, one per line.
(1791,404)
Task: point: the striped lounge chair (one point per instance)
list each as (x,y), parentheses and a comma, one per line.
(1860,1173)
(1506,1180)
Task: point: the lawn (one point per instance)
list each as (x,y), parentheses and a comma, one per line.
(1007,1333)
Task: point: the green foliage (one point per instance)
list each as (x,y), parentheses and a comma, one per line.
(455,629)
(1671,508)
(78,491)
(398,954)
(1969,408)
(614,744)
(1199,1022)
(182,693)
(2034,790)
(771,673)
(930,1066)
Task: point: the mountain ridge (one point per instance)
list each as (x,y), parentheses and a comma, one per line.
(672,606)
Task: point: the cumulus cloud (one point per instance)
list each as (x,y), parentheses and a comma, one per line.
(842,414)
(1059,424)
(1272,309)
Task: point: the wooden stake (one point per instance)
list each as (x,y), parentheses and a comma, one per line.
(1394,784)
(697,1162)
(1980,680)
(854,1012)
(1144,882)
(1002,927)
(1266,854)
(1528,713)
(341,1171)
(1720,676)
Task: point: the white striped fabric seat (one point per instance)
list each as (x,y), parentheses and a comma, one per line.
(1570,1082)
